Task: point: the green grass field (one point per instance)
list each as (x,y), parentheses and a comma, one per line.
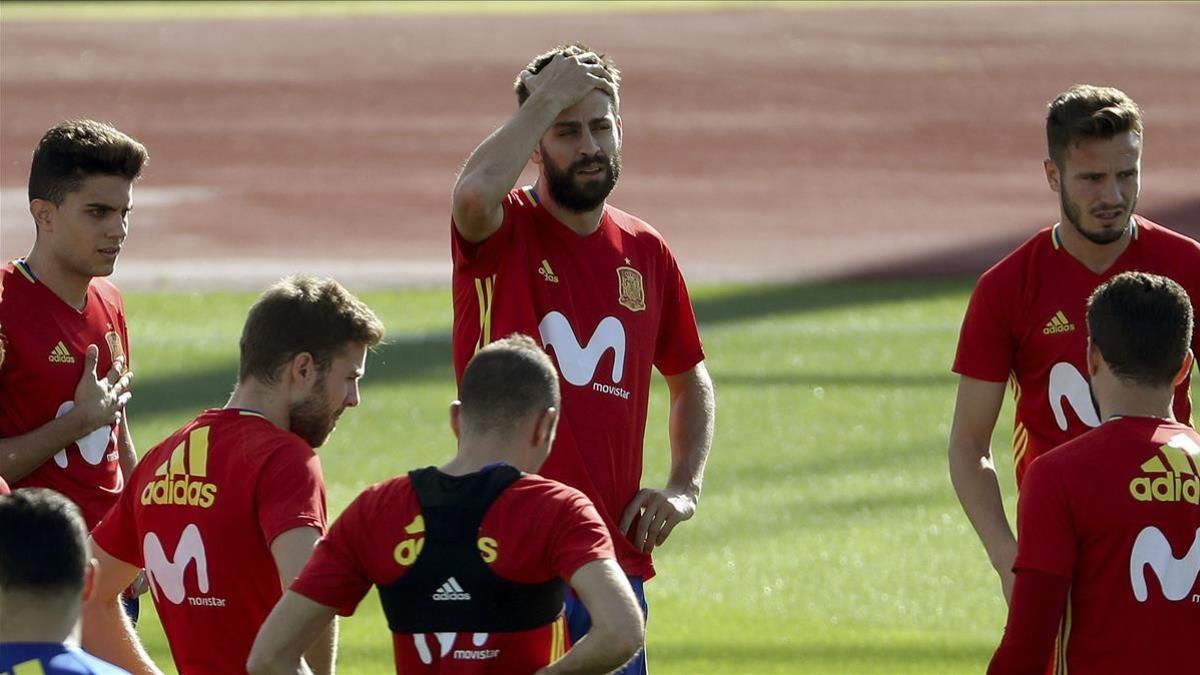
(828,539)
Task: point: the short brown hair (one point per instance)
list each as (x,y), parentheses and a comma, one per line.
(1086,112)
(1142,324)
(74,150)
(43,542)
(506,381)
(303,314)
(542,60)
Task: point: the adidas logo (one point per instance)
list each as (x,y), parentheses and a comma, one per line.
(180,479)
(451,591)
(60,354)
(1176,480)
(1058,324)
(547,273)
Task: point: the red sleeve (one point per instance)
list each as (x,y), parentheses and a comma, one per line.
(117,531)
(1045,527)
(579,535)
(1037,608)
(481,258)
(677,348)
(335,575)
(290,491)
(986,343)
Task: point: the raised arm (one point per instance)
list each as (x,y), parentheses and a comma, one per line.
(98,402)
(617,630)
(693,411)
(973,473)
(494,167)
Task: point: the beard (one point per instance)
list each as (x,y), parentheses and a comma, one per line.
(312,418)
(588,196)
(1075,216)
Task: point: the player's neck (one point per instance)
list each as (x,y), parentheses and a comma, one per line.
(1095,257)
(251,394)
(39,618)
(582,224)
(70,287)
(474,453)
(1127,401)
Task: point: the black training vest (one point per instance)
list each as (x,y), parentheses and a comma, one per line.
(450,588)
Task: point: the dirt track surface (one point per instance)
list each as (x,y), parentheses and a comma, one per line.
(763,144)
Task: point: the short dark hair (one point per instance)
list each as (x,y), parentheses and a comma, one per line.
(542,60)
(1085,112)
(507,381)
(303,314)
(1142,324)
(74,150)
(43,542)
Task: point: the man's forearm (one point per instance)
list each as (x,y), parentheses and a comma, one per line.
(596,652)
(108,635)
(978,488)
(127,453)
(321,654)
(693,414)
(21,455)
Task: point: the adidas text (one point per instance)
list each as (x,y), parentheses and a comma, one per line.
(451,591)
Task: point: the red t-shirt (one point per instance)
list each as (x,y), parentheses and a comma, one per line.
(45,340)
(200,514)
(1026,323)
(607,307)
(536,530)
(1117,512)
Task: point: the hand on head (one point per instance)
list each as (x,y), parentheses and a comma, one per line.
(570,78)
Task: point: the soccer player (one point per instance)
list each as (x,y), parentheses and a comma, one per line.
(226,510)
(44,576)
(468,557)
(1024,323)
(1101,517)
(61,322)
(601,290)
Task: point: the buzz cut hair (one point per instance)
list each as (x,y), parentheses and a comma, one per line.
(43,542)
(1142,325)
(73,151)
(542,60)
(1086,112)
(505,383)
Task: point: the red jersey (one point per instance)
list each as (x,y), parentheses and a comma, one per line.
(1117,512)
(607,307)
(200,514)
(536,530)
(45,340)
(1026,323)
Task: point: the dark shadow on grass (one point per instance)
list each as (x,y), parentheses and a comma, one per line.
(905,380)
(407,358)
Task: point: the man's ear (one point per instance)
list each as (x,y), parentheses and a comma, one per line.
(1053,175)
(1185,368)
(302,371)
(43,212)
(1094,358)
(456,418)
(89,579)
(543,430)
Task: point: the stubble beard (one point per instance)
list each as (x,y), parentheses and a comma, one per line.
(1074,215)
(312,419)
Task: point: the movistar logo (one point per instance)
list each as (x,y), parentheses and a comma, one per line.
(166,574)
(178,484)
(451,591)
(577,362)
(1173,480)
(1176,576)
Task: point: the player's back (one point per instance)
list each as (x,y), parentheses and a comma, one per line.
(204,511)
(1131,490)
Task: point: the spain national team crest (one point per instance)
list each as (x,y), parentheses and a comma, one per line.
(632,293)
(115,349)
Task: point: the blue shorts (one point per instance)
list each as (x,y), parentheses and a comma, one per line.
(579,622)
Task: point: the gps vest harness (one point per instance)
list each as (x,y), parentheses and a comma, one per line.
(450,588)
